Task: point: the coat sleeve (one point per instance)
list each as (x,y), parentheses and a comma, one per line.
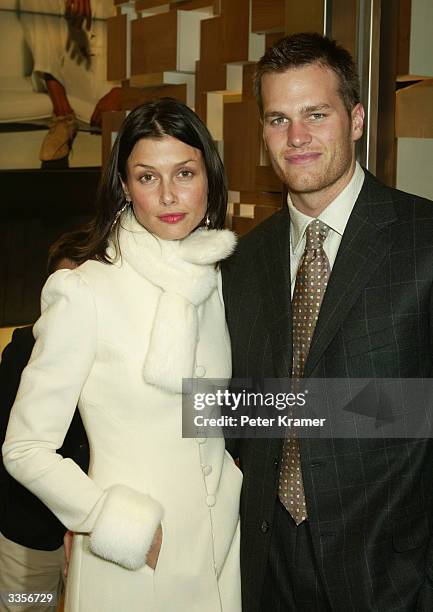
(121,521)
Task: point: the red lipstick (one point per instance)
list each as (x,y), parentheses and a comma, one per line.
(172,217)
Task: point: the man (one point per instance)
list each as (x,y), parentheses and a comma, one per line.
(331,524)
(31,538)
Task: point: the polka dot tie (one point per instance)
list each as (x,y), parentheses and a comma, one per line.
(311,281)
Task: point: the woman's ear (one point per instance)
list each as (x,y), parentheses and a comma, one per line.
(125,190)
(124,187)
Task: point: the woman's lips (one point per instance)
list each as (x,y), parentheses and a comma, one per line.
(172,217)
(301,158)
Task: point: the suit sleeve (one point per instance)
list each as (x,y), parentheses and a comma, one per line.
(122,522)
(425,597)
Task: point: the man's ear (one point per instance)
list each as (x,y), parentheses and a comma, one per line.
(358,115)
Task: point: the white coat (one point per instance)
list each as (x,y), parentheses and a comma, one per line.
(92,343)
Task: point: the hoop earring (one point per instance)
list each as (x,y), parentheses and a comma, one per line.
(121,210)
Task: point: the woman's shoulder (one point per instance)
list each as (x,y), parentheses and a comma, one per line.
(84,279)
(94,271)
(65,284)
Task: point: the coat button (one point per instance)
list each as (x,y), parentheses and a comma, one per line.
(207,469)
(264,527)
(211,500)
(200,371)
(276,463)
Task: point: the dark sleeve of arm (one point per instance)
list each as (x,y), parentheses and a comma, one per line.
(14,359)
(425,595)
(232,445)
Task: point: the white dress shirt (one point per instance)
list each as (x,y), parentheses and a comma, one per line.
(335,215)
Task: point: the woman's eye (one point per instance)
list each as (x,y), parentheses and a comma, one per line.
(146,178)
(185,174)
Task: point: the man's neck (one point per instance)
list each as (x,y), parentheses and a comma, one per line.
(313,203)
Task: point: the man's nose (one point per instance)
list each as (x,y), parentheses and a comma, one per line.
(298,134)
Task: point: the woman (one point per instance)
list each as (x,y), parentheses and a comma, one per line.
(157,517)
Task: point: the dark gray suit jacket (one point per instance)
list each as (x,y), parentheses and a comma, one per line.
(370,502)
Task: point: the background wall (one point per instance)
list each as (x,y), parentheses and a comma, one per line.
(421,40)
(415,155)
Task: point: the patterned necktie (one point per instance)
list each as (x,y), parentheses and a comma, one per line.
(311,280)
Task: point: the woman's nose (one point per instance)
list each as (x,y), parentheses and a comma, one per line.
(168,194)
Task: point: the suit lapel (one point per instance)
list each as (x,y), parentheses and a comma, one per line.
(365,242)
(273,270)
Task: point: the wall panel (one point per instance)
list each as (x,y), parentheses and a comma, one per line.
(267,15)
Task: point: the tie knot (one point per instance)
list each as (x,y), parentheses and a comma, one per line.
(315,235)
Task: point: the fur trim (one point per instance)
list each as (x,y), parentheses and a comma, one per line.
(125,527)
(207,246)
(185,267)
(185,272)
(173,342)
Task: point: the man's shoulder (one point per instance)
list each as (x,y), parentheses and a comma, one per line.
(255,241)
(268,229)
(21,344)
(419,206)
(23,335)
(407,204)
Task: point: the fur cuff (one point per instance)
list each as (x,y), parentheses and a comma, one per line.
(125,527)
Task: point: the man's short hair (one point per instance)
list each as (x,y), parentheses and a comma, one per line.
(305,49)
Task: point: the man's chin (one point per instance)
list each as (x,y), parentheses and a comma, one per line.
(308,184)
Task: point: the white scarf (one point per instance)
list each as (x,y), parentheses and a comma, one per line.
(185,272)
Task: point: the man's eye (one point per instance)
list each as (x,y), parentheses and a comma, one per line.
(278,121)
(317,116)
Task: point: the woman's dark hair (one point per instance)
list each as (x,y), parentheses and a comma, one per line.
(155,119)
(308,48)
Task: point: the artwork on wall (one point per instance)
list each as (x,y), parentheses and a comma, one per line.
(53,82)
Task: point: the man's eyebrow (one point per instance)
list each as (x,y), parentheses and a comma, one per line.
(274,114)
(312,108)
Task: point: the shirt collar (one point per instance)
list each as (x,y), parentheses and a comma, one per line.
(335,215)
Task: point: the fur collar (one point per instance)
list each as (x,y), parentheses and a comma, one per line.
(184,270)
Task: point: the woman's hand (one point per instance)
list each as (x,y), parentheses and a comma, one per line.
(153,554)
(67,543)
